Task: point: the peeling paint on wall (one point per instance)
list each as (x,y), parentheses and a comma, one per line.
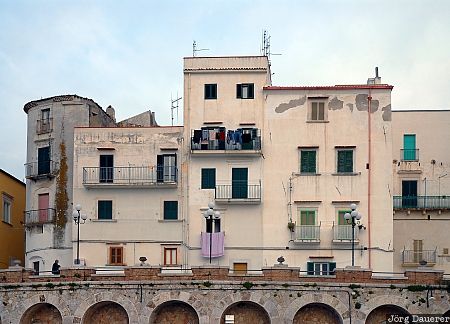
(350,106)
(281,108)
(335,104)
(362,105)
(387,113)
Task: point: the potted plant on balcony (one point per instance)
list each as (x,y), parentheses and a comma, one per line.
(291,225)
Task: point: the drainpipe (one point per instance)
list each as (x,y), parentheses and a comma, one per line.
(369,103)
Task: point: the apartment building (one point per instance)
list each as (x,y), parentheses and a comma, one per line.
(421,187)
(126,181)
(12,240)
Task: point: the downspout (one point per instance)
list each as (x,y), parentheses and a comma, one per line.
(187,141)
(369,174)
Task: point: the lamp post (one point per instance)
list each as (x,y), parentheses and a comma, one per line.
(354,216)
(209,214)
(78,218)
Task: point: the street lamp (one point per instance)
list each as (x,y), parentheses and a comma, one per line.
(78,218)
(354,216)
(209,214)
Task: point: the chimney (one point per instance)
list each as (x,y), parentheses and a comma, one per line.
(111,112)
(376,80)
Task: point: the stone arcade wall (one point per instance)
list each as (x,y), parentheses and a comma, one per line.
(279,295)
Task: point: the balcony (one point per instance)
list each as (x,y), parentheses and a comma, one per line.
(238,192)
(44,126)
(415,258)
(421,202)
(232,142)
(343,234)
(409,155)
(41,169)
(307,233)
(130,177)
(39,217)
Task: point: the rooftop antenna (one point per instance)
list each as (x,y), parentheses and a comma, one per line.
(174,106)
(195,49)
(265,45)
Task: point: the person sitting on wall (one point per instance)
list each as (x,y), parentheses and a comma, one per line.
(55,268)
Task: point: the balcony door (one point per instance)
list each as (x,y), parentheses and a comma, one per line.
(409,193)
(166,166)
(239,183)
(43,205)
(44,160)
(409,147)
(106,168)
(418,250)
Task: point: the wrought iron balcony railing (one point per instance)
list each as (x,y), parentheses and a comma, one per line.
(307,233)
(130,176)
(344,233)
(39,216)
(238,191)
(409,154)
(422,202)
(41,169)
(416,257)
(44,126)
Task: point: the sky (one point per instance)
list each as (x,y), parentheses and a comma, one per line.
(129,54)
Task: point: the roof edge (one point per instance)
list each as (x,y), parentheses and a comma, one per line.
(12,177)
(335,87)
(59,98)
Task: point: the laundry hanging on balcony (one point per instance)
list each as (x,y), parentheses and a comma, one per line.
(219,139)
(217,246)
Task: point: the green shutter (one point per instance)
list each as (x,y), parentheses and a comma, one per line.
(409,147)
(104,209)
(308,161)
(251,91)
(345,161)
(307,217)
(332,267)
(171,210)
(310,268)
(208,178)
(239,91)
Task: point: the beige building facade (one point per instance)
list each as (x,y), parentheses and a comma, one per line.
(421,176)
(126,180)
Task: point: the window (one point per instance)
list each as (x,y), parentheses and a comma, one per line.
(106,168)
(308,161)
(210,91)
(409,147)
(116,255)
(341,219)
(317,112)
(307,217)
(166,168)
(170,210)
(44,124)
(36,267)
(105,209)
(209,225)
(43,160)
(245,91)
(345,161)
(321,268)
(208,178)
(240,268)
(170,256)
(7,202)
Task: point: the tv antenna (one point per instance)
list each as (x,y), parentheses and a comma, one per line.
(195,49)
(174,105)
(265,45)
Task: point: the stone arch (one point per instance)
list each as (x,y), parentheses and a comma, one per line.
(383,300)
(323,299)
(53,299)
(317,313)
(246,312)
(447,313)
(44,313)
(110,299)
(106,312)
(379,314)
(174,311)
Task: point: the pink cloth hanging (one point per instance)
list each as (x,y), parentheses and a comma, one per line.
(217,247)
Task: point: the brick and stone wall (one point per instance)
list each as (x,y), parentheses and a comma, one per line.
(81,296)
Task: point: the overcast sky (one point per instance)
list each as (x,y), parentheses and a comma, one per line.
(128,54)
